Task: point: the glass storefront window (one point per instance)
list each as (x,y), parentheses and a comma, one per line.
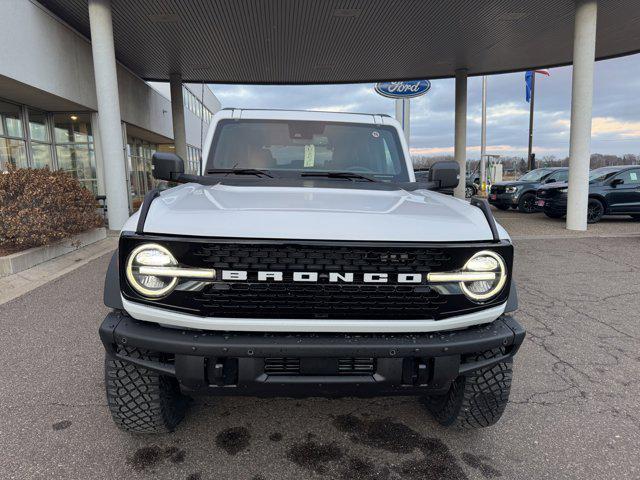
(72,128)
(141,179)
(74,147)
(11,120)
(12,146)
(38,128)
(41,155)
(12,152)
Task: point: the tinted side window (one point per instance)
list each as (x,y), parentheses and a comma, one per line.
(630,177)
(561,175)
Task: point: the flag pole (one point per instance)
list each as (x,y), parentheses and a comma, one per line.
(530,161)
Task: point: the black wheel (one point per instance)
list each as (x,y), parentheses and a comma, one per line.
(595,210)
(141,400)
(554,214)
(475,400)
(527,203)
(469,191)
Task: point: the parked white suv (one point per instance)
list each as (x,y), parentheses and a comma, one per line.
(304,259)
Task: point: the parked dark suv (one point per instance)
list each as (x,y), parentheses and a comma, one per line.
(521,193)
(612,191)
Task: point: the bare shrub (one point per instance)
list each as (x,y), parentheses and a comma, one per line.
(38,206)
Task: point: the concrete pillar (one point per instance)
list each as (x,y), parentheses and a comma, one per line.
(584,46)
(97,149)
(104,66)
(177,114)
(460,145)
(403,115)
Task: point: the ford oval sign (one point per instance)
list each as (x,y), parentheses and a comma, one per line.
(407,89)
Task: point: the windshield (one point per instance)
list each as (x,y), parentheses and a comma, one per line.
(284,147)
(535,175)
(601,174)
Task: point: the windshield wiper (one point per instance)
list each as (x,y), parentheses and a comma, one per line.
(241,171)
(344,175)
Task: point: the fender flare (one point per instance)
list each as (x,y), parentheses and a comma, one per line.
(111,297)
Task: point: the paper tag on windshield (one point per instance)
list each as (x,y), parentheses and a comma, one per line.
(634,176)
(309,155)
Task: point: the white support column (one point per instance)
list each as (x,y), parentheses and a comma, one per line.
(104,66)
(584,46)
(177,114)
(460,145)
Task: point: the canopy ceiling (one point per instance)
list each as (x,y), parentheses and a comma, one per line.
(335,41)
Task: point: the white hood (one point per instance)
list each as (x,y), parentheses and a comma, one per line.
(303,213)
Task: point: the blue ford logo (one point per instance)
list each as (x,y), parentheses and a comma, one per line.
(407,89)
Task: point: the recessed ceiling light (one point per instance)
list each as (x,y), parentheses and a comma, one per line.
(73,117)
(164,18)
(346,12)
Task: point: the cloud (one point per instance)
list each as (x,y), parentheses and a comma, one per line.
(616,109)
(609,125)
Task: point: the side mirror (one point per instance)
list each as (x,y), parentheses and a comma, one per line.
(167,166)
(617,181)
(445,174)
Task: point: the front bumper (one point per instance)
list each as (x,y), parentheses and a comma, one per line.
(242,363)
(555,205)
(506,199)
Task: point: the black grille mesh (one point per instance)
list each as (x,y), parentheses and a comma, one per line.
(319,300)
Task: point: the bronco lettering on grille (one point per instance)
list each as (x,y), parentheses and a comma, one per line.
(331,277)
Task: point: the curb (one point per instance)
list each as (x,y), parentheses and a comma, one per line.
(26,259)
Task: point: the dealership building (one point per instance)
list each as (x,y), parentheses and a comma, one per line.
(49,115)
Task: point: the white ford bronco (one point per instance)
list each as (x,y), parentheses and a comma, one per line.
(303,259)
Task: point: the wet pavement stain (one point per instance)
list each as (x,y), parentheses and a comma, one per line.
(195,476)
(149,457)
(314,456)
(233,440)
(395,437)
(275,437)
(359,469)
(480,462)
(61,425)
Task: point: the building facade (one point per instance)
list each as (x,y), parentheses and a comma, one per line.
(48,106)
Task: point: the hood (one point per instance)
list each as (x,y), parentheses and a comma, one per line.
(553,186)
(513,183)
(305,213)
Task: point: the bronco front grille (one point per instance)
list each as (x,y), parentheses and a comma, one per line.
(322,299)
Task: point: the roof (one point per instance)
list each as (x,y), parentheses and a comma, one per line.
(333,41)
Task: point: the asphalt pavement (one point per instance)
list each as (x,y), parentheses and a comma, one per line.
(574,410)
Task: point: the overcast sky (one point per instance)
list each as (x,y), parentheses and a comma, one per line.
(616,112)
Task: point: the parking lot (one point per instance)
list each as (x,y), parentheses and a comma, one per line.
(573,412)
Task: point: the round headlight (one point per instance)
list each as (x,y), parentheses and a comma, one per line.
(485,261)
(150,255)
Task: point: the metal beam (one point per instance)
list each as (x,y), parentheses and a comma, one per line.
(584,46)
(460,146)
(177,114)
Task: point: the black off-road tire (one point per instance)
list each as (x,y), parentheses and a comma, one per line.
(527,203)
(475,400)
(554,214)
(141,400)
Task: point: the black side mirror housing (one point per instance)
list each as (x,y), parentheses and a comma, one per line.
(445,174)
(617,181)
(167,166)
